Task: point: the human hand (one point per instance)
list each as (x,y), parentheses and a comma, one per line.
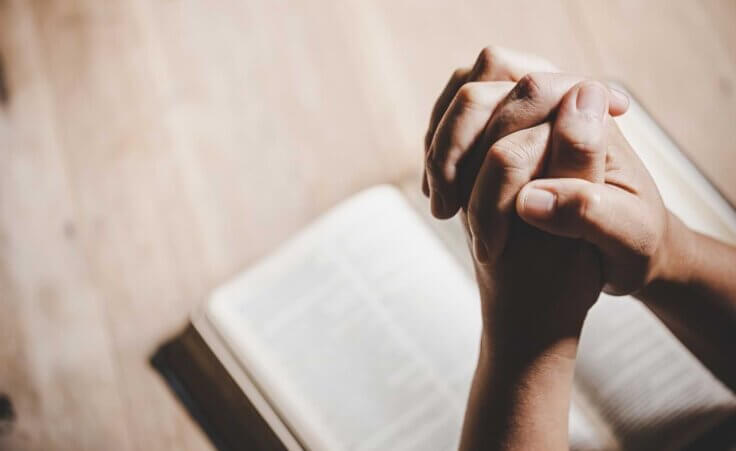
(624,217)
(492,64)
(535,288)
(686,278)
(531,281)
(486,150)
(632,256)
(464,122)
(480,114)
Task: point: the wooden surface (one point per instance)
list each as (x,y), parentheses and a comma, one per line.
(150,149)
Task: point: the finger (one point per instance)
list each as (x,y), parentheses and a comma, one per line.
(496,63)
(492,64)
(600,214)
(460,128)
(457,79)
(532,101)
(535,97)
(578,145)
(510,164)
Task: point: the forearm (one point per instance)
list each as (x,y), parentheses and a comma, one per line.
(520,400)
(695,296)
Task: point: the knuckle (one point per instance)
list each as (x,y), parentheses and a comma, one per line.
(487,58)
(529,87)
(459,74)
(507,154)
(584,147)
(579,147)
(576,211)
(580,154)
(471,95)
(585,203)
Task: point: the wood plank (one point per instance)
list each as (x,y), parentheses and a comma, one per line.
(66,374)
(116,157)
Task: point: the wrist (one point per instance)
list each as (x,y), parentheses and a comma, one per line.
(675,263)
(529,347)
(523,402)
(519,373)
(518,330)
(678,253)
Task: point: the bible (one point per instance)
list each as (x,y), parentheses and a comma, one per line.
(362,332)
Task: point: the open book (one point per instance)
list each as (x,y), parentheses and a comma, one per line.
(362,332)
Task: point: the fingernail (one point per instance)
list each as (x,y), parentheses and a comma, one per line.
(592,100)
(538,203)
(480,251)
(620,95)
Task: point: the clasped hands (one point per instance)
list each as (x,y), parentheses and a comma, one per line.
(556,202)
(558,207)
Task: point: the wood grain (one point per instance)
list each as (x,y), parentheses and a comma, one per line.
(151,149)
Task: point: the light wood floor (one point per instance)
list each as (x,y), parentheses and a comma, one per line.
(150,149)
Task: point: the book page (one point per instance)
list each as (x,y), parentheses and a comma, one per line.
(644,382)
(363,331)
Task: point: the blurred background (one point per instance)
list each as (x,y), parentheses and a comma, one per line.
(150,149)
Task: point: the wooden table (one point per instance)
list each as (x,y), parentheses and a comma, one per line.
(151,149)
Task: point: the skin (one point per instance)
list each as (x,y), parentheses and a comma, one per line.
(557,207)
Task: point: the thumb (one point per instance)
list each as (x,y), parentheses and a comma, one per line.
(576,208)
(578,135)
